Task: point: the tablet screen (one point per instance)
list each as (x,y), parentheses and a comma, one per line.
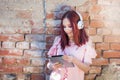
(58,58)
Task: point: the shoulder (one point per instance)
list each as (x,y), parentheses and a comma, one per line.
(57,39)
(89,42)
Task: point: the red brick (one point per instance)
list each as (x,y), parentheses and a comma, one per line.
(40,30)
(50,38)
(49,15)
(117,61)
(96,24)
(8,30)
(3,37)
(9,61)
(34,37)
(112,24)
(33,53)
(97,38)
(51,30)
(33,69)
(102,46)
(0,44)
(81,9)
(115,46)
(25,14)
(112,38)
(8,45)
(37,62)
(1,68)
(100,62)
(25,29)
(31,22)
(22,45)
(108,2)
(99,53)
(21,76)
(1,61)
(85,16)
(96,17)
(37,77)
(86,24)
(104,31)
(92,31)
(4,52)
(20,29)
(13,69)
(13,52)
(11,37)
(49,45)
(95,70)
(116,31)
(93,1)
(53,23)
(37,45)
(95,9)
(90,77)
(23,61)
(111,54)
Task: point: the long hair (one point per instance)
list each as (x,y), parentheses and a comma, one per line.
(80,36)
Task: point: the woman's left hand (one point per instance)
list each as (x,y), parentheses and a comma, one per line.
(68,58)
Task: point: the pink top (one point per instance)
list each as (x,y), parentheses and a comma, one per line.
(84,53)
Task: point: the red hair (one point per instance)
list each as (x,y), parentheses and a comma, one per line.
(80,36)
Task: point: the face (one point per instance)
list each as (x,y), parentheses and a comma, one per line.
(67,27)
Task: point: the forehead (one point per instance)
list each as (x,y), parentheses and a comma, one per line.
(66,21)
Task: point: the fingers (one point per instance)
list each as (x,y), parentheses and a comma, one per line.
(68,58)
(57,65)
(65,57)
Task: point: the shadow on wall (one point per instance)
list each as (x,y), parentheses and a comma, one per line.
(111,72)
(58,13)
(60,10)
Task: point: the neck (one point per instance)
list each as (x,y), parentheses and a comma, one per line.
(71,39)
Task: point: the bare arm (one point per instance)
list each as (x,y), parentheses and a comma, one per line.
(79,64)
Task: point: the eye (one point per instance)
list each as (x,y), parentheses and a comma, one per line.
(67,26)
(64,26)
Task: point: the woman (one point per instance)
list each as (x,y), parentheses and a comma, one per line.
(75,46)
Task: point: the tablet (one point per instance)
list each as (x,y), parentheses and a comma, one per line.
(58,58)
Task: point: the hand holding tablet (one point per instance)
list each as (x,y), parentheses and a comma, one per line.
(59,59)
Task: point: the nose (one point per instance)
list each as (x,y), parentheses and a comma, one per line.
(67,28)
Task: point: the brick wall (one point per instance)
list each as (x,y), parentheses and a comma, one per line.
(28,28)
(22,40)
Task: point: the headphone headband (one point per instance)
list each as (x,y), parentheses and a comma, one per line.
(79,16)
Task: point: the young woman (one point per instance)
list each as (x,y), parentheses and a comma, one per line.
(75,46)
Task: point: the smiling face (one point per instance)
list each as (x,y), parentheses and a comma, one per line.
(70,31)
(67,27)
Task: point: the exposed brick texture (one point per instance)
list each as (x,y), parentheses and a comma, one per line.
(28,28)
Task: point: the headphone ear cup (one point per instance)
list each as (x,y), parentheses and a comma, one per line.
(80,24)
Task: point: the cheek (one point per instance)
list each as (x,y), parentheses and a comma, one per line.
(69,30)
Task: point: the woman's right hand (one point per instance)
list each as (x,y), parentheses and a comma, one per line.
(56,66)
